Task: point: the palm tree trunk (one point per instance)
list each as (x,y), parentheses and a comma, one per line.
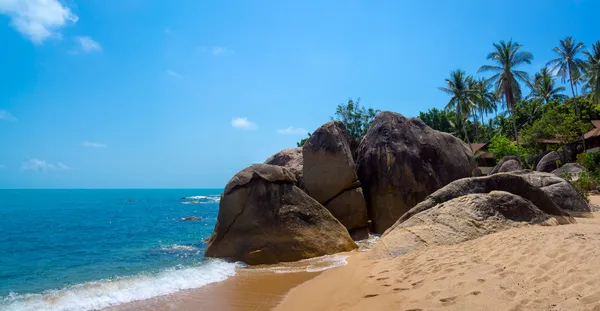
(481,112)
(511,107)
(512,115)
(576,105)
(475,122)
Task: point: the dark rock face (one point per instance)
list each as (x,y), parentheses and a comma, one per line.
(548,163)
(460,219)
(573,169)
(401,161)
(541,189)
(330,177)
(293,160)
(507,164)
(264,218)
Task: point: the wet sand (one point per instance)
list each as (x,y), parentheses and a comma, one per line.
(248,290)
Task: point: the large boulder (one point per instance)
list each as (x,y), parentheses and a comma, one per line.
(264,218)
(535,187)
(559,190)
(401,161)
(330,176)
(572,169)
(460,219)
(292,159)
(507,164)
(549,162)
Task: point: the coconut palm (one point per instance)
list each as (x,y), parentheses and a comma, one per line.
(508,56)
(567,65)
(486,99)
(543,87)
(462,97)
(592,72)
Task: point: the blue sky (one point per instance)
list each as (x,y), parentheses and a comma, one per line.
(138,94)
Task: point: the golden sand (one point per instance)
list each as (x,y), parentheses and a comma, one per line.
(528,268)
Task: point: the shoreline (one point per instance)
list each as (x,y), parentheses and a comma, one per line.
(526,268)
(248,290)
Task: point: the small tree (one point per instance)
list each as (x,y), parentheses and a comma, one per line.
(501,146)
(303,140)
(356,118)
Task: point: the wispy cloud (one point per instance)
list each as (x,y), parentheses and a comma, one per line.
(292,131)
(243,123)
(5,115)
(173,73)
(87,44)
(43,166)
(91,144)
(216,50)
(37,20)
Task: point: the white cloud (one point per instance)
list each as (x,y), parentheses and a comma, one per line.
(38,20)
(243,123)
(5,115)
(87,44)
(173,73)
(292,131)
(43,166)
(91,144)
(216,50)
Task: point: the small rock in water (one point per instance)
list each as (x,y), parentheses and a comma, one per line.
(191,218)
(130,201)
(183,198)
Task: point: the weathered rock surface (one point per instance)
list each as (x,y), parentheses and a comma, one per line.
(507,164)
(573,169)
(350,209)
(330,177)
(460,219)
(559,190)
(549,162)
(292,159)
(401,161)
(536,187)
(328,164)
(264,218)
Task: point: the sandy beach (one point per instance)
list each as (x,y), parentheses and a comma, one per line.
(527,268)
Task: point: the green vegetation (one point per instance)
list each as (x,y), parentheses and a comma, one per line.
(502,146)
(516,114)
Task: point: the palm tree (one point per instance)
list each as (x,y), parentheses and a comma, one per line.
(458,87)
(567,65)
(543,87)
(592,72)
(507,57)
(486,100)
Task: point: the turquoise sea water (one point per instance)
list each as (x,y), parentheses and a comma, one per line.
(88,249)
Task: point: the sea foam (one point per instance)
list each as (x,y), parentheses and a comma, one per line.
(102,294)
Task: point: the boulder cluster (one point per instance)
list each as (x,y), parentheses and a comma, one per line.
(411,183)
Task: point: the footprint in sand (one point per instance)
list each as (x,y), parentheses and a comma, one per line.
(400,289)
(381,279)
(417,284)
(475,293)
(448,300)
(413,310)
(371,295)
(481,280)
(384,271)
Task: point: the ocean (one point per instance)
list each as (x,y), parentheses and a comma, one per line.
(89,249)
